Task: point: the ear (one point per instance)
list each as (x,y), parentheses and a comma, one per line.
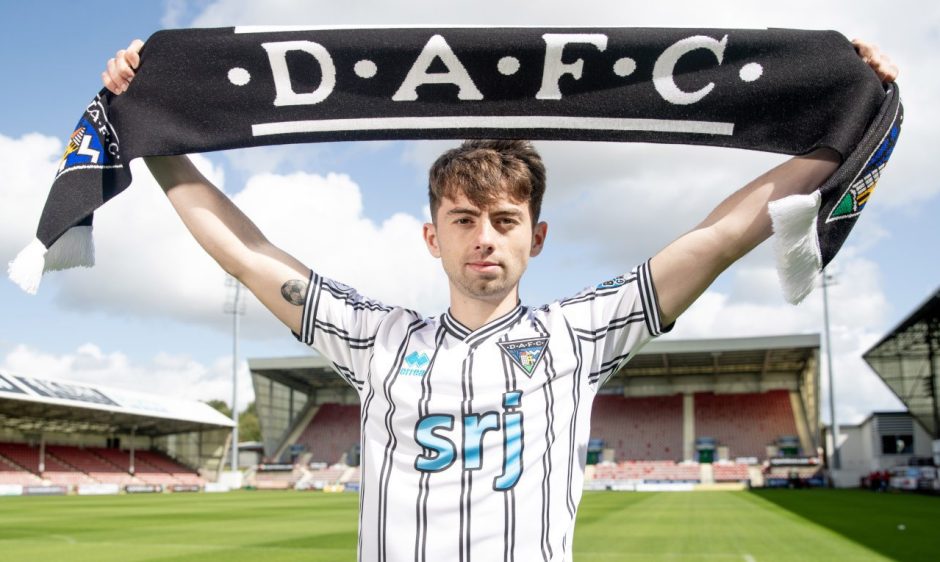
(430,239)
(538,238)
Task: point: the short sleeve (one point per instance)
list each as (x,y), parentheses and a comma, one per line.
(618,316)
(341,325)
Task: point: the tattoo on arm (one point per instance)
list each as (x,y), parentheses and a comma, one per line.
(295,292)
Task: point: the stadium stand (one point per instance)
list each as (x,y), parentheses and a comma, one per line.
(648,471)
(55,471)
(149,463)
(730,472)
(77,437)
(747,423)
(661,420)
(331,433)
(14,473)
(647,428)
(91,464)
(72,466)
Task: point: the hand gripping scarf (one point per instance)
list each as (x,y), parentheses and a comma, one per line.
(775,90)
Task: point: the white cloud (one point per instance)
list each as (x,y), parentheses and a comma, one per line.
(626,201)
(174,12)
(148,264)
(173,376)
(28,164)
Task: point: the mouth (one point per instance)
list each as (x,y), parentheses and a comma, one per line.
(484,266)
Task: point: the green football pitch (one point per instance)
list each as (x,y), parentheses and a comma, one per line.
(279,526)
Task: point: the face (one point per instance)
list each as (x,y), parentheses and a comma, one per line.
(484,251)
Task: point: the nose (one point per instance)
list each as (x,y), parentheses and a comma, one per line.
(485,237)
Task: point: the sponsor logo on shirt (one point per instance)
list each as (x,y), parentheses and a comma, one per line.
(416,365)
(613,283)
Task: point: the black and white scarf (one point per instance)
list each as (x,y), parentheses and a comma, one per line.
(776,90)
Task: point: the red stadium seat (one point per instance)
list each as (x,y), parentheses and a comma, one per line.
(745,423)
(639,428)
(332,431)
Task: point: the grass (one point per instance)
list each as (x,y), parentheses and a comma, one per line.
(768,525)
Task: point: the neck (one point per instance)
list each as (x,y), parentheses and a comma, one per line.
(474,312)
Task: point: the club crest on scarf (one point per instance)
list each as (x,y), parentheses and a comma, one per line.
(91,144)
(526,354)
(856,196)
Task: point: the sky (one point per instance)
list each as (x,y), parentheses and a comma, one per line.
(150,315)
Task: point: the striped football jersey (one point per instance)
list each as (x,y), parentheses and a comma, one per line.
(474,442)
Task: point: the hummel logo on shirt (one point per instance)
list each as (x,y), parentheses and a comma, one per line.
(416,364)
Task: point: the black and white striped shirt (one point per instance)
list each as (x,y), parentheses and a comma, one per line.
(474,441)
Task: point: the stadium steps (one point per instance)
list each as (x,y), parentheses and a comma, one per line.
(589,471)
(12,473)
(84,460)
(182,473)
(16,466)
(123,470)
(22,455)
(707,473)
(56,471)
(756,474)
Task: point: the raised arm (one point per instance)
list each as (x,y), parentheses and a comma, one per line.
(686,267)
(275,277)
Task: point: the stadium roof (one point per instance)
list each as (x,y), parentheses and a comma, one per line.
(757,356)
(907,360)
(32,404)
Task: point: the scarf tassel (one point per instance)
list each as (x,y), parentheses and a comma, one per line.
(75,248)
(796,244)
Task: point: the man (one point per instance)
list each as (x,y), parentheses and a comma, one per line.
(475,423)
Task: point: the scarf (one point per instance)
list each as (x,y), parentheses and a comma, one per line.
(777,90)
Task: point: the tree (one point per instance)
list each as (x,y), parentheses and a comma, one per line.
(249,429)
(221,406)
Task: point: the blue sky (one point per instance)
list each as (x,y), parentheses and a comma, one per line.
(149,316)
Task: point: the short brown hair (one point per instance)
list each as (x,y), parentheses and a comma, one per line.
(484,170)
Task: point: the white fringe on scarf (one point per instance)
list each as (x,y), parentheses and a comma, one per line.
(799,259)
(74,249)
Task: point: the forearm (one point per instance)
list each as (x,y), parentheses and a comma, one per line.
(741,222)
(684,269)
(216,223)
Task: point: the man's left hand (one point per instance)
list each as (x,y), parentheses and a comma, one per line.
(886,70)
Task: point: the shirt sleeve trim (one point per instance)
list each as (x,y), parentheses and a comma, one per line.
(650,300)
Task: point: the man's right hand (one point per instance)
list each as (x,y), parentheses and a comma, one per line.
(120,70)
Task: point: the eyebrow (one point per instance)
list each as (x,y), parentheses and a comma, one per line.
(476,212)
(464,211)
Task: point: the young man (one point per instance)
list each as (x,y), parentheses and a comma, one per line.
(475,423)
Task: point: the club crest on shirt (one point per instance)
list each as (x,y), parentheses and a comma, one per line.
(525,353)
